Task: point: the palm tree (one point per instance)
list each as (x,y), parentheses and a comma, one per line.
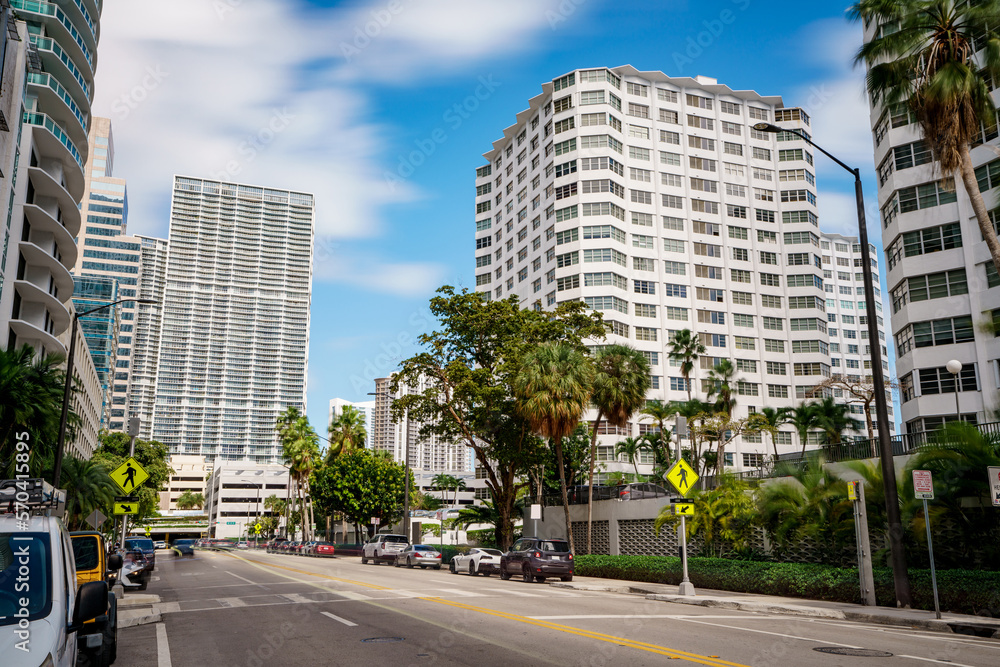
(775,417)
(723,377)
(803,418)
(447,482)
(189,500)
(928,63)
(301,452)
(834,418)
(631,448)
(723,516)
(659,412)
(552,389)
(621,380)
(686,347)
(88,487)
(31,395)
(347,432)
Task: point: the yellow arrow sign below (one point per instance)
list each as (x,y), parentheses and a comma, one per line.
(126,508)
(682,476)
(684,509)
(129,476)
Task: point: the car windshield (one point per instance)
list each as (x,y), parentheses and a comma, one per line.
(182,543)
(492,552)
(86,552)
(555,545)
(394,538)
(145,545)
(25,552)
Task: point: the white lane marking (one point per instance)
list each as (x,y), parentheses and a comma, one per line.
(296,598)
(167,607)
(459,593)
(940,662)
(162,648)
(231,602)
(408,594)
(338,618)
(765,632)
(928,635)
(562,593)
(351,595)
(154,578)
(504,591)
(254,583)
(676,617)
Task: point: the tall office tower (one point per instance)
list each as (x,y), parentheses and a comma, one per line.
(850,349)
(107,254)
(941,277)
(651,199)
(148,324)
(234,337)
(366,408)
(428,454)
(51,126)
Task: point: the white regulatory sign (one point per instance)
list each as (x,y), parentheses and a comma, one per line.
(994,474)
(923,485)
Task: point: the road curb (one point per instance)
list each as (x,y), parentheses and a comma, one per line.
(128,618)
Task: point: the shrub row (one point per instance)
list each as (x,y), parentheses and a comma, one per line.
(961,591)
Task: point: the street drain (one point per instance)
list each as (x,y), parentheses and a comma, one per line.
(854,652)
(381,640)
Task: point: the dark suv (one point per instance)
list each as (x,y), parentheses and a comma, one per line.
(535,559)
(145,545)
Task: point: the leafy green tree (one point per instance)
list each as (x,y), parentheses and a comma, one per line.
(468,368)
(833,419)
(447,482)
(553,390)
(686,347)
(189,500)
(724,429)
(88,487)
(659,442)
(803,418)
(362,485)
(576,460)
(31,395)
(300,450)
(425,501)
(722,380)
(723,517)
(774,417)
(937,59)
(631,448)
(151,455)
(347,432)
(621,380)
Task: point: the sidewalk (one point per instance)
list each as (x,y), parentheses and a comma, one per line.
(137,609)
(979,626)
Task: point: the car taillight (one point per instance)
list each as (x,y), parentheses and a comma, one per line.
(571,556)
(383,546)
(438,556)
(538,554)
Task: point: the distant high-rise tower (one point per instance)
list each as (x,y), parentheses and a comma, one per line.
(234,339)
(148,324)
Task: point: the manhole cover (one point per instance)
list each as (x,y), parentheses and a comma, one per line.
(381,640)
(855,652)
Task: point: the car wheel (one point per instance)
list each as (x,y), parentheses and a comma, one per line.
(569,578)
(364,560)
(504,574)
(437,567)
(527,575)
(409,563)
(453,568)
(472,568)
(111,635)
(540,580)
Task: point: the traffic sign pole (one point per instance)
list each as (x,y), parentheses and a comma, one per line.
(685,587)
(856,493)
(923,489)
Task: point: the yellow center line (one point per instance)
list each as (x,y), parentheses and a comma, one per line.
(311,574)
(642,646)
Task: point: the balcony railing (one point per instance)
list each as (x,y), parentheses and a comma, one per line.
(56,12)
(50,81)
(42,120)
(49,44)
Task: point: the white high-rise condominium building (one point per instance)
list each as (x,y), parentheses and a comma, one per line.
(148,324)
(942,283)
(650,198)
(431,455)
(234,335)
(366,408)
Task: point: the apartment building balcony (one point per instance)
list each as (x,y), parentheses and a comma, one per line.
(60,105)
(56,150)
(76,34)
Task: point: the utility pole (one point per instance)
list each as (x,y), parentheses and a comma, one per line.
(856,493)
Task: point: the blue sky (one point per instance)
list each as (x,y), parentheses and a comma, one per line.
(364,94)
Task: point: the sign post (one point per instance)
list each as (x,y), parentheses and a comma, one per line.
(682,476)
(994,476)
(856,494)
(536,514)
(923,489)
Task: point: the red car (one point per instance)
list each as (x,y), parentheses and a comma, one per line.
(322,549)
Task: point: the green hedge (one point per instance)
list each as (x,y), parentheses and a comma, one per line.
(961,591)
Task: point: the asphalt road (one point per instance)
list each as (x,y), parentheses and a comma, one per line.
(252,609)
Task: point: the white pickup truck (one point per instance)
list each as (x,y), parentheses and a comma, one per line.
(41,607)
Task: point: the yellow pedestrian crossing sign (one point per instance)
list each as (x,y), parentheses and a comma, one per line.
(256,529)
(126,508)
(129,476)
(684,509)
(682,476)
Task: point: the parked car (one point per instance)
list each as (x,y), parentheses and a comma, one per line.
(640,491)
(535,558)
(477,561)
(383,548)
(184,547)
(307,548)
(322,549)
(242,545)
(273,545)
(160,544)
(98,639)
(423,555)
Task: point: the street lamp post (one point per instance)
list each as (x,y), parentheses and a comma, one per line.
(955,367)
(69,381)
(258,487)
(898,556)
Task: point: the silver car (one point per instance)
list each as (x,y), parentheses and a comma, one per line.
(419,554)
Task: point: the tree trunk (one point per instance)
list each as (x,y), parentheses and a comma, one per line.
(565,496)
(868,420)
(590,480)
(979,206)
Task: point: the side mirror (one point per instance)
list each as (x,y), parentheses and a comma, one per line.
(91,602)
(115,562)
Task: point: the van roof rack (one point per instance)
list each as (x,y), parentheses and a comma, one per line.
(35,495)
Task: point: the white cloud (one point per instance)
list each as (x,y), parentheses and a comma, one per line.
(417,279)
(261,92)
